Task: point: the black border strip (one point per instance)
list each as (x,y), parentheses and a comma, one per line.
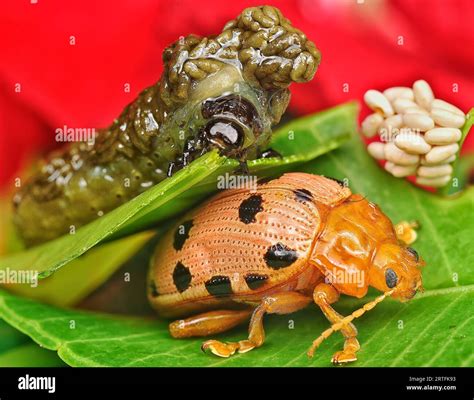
(364,381)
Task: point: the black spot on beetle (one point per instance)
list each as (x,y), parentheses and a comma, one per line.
(262,181)
(255,281)
(249,208)
(265,179)
(153,289)
(280,256)
(219,285)
(181,234)
(391,278)
(341,183)
(303,195)
(414,253)
(181,277)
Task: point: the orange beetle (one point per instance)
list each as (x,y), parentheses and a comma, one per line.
(296,239)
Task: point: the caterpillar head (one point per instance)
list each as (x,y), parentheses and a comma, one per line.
(227,91)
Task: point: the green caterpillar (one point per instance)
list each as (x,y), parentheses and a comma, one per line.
(221,92)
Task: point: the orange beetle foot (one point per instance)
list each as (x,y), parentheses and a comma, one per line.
(343,357)
(227,349)
(351,346)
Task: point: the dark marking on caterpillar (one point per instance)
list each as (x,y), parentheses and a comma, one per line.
(242,169)
(270,153)
(181,234)
(249,208)
(280,256)
(171,169)
(255,281)
(219,286)
(236,106)
(303,195)
(181,277)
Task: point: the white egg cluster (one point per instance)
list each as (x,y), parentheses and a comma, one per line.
(419,134)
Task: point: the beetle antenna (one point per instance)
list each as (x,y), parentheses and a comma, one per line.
(347,320)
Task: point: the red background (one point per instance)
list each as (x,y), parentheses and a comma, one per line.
(119,42)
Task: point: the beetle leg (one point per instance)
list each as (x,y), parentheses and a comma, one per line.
(324,295)
(208,323)
(406,231)
(279,303)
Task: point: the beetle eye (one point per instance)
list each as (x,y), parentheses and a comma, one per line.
(414,253)
(224,133)
(391,278)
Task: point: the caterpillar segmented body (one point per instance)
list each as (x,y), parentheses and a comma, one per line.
(221,92)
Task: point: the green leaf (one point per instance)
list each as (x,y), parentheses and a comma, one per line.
(30,355)
(10,337)
(435,328)
(318,134)
(17,350)
(457,167)
(465,169)
(435,331)
(84,274)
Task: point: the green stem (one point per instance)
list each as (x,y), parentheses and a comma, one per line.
(450,189)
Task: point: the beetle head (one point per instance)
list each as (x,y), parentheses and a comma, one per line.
(396,267)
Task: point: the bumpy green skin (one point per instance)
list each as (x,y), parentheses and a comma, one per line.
(255,58)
